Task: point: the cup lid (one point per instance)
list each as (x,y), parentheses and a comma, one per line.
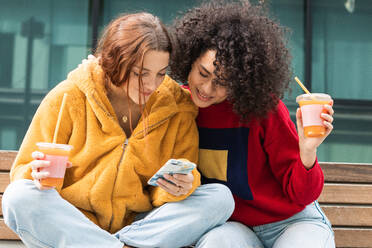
(310,97)
(54,146)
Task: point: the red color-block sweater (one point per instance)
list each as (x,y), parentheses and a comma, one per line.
(259,161)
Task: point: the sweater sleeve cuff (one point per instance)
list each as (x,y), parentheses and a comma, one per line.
(309,183)
(314,169)
(311,179)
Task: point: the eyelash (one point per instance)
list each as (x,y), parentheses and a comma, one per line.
(203,75)
(136,74)
(144,74)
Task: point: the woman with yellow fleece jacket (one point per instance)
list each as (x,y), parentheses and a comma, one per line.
(124,118)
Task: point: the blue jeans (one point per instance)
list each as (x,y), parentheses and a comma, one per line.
(309,228)
(45,219)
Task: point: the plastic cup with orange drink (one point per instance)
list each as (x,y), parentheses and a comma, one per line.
(312,106)
(57,154)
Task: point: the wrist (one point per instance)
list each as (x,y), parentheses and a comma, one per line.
(308,158)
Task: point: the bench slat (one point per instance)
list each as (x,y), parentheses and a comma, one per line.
(346,193)
(6,233)
(347,172)
(349,215)
(353,237)
(4,181)
(6,159)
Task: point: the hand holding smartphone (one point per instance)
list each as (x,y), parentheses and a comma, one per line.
(172,166)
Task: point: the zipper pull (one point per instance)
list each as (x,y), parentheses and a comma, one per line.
(125,144)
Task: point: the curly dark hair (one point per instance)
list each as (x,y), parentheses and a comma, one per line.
(252,60)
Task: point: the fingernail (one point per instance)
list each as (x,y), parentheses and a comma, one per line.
(38,154)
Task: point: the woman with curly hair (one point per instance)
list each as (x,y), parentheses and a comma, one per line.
(237,67)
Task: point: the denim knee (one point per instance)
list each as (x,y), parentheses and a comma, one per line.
(221,202)
(230,234)
(17,199)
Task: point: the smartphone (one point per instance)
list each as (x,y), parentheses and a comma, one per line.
(172,166)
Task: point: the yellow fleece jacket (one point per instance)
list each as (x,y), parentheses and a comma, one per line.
(108,180)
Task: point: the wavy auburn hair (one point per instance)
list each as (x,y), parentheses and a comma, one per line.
(124,43)
(126,40)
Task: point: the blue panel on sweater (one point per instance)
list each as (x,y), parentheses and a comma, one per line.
(235,141)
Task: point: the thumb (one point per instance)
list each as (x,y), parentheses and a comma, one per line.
(300,128)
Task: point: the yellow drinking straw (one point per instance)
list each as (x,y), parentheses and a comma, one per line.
(59,118)
(304,88)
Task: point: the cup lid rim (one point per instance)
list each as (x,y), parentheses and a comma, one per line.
(54,145)
(322,96)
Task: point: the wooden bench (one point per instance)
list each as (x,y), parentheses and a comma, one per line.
(346,200)
(6,160)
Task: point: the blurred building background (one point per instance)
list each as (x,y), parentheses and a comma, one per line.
(331,43)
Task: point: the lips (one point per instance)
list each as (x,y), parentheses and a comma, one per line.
(202,97)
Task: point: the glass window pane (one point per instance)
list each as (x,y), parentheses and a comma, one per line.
(342,48)
(345,152)
(290,13)
(342,62)
(54,32)
(40,42)
(8,138)
(6,63)
(164,9)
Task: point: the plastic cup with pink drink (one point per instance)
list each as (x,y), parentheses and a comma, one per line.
(312,105)
(58,155)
